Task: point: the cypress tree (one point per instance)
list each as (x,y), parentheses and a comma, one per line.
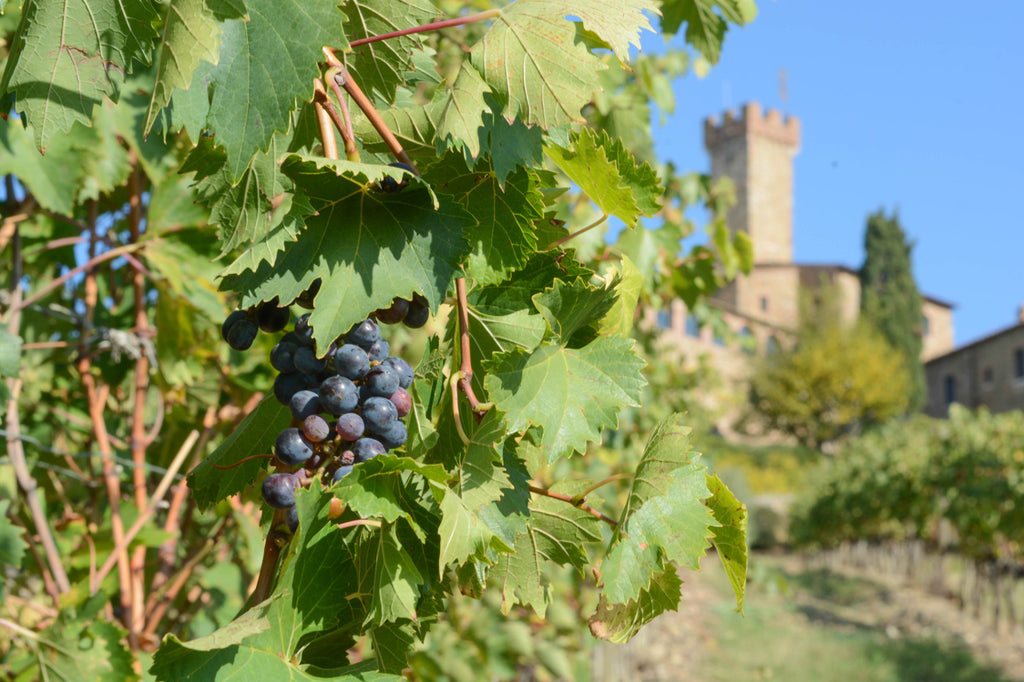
(890,300)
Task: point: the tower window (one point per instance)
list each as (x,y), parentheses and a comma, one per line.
(664,319)
(764,304)
(1018,363)
(692,326)
(950,389)
(926,325)
(987,377)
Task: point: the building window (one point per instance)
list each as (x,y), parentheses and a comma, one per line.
(926,325)
(664,319)
(1018,363)
(747,341)
(764,304)
(950,389)
(692,326)
(772,346)
(718,339)
(987,378)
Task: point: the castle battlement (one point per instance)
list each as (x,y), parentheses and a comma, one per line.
(752,121)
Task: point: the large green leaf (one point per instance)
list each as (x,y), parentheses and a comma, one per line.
(706,27)
(381,66)
(619,622)
(267,65)
(571,393)
(366,246)
(380,486)
(12,547)
(540,63)
(665,517)
(570,308)
(191,32)
(254,436)
(67,56)
(503,237)
(731,536)
(607,173)
(51,178)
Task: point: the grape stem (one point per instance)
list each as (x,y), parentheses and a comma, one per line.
(360,522)
(579,503)
(613,477)
(434,26)
(465,373)
(351,152)
(325,114)
(344,80)
(591,226)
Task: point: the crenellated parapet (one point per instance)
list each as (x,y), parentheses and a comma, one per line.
(752,121)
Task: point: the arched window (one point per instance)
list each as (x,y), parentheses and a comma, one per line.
(949,386)
(772,346)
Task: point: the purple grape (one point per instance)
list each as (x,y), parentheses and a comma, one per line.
(307,362)
(402,369)
(350,426)
(292,447)
(241,334)
(287,385)
(381,381)
(315,428)
(271,317)
(367,448)
(378,350)
(293,518)
(363,334)
(234,318)
(282,357)
(394,436)
(304,403)
(305,299)
(379,414)
(419,312)
(347,457)
(402,402)
(342,471)
(351,361)
(394,313)
(279,490)
(303,332)
(338,395)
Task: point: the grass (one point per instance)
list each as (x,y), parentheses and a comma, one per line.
(817,626)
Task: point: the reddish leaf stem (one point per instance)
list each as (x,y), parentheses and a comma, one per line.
(359,522)
(576,503)
(606,481)
(276,540)
(344,79)
(466,365)
(437,25)
(351,152)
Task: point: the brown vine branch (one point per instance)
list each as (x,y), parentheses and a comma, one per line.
(348,135)
(15,446)
(276,540)
(325,114)
(576,503)
(437,25)
(149,510)
(359,522)
(603,482)
(344,80)
(466,363)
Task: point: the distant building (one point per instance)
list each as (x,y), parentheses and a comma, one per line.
(756,150)
(988,372)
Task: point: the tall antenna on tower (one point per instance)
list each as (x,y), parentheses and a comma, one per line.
(784,91)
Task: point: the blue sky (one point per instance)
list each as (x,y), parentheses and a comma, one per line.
(908,105)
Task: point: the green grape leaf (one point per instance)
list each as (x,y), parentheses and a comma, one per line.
(366,246)
(730,537)
(266,67)
(52,178)
(510,144)
(191,33)
(664,518)
(705,28)
(391,645)
(619,622)
(609,175)
(463,534)
(503,237)
(10,354)
(376,489)
(381,65)
(67,56)
(540,63)
(570,308)
(12,546)
(628,281)
(556,532)
(650,251)
(396,581)
(459,115)
(571,393)
(516,292)
(254,436)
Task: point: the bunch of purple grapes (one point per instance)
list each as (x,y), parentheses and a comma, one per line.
(347,404)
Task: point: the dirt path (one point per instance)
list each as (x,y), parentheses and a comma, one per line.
(806,623)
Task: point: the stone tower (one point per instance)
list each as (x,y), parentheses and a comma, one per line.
(756,150)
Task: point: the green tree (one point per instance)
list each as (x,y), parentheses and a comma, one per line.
(836,379)
(890,300)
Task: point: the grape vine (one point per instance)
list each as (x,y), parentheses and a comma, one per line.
(464,212)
